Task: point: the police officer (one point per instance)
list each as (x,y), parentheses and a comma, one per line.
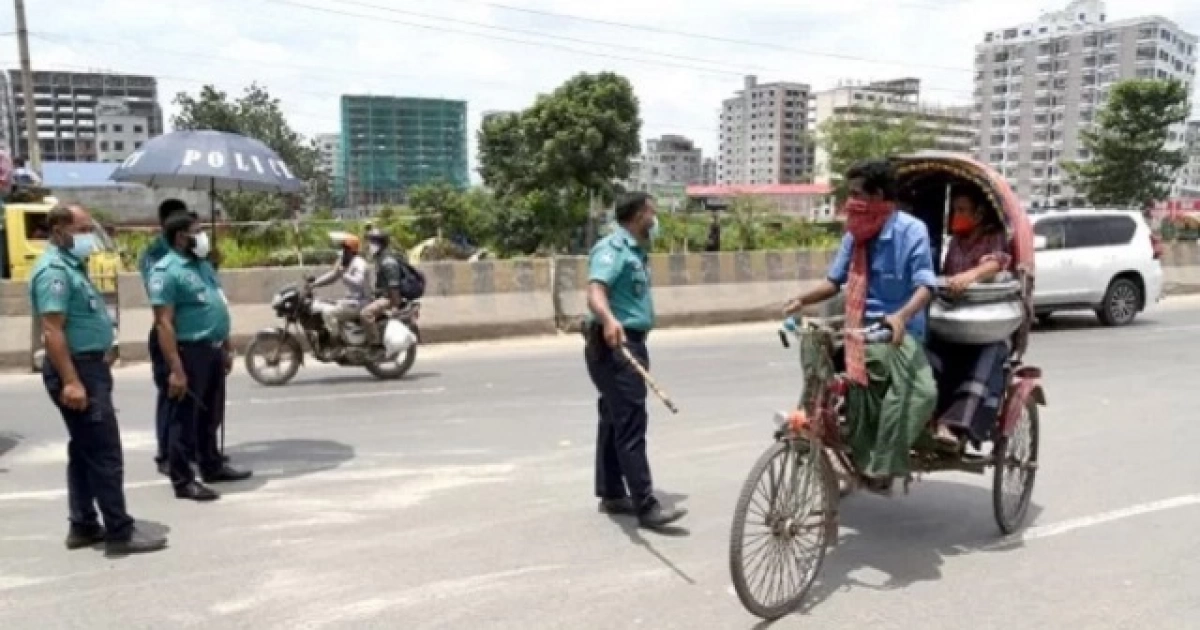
(622,313)
(153,253)
(193,324)
(78,334)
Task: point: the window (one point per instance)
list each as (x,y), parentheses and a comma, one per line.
(1102,231)
(104,145)
(1055,231)
(118,145)
(103,128)
(118,128)
(138,129)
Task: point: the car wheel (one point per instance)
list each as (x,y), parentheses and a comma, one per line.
(1121,303)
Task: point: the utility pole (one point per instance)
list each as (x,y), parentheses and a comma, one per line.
(31,135)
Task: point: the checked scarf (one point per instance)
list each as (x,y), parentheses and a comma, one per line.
(864,220)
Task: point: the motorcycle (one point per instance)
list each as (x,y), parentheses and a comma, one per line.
(301,312)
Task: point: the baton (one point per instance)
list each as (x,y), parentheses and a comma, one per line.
(658,391)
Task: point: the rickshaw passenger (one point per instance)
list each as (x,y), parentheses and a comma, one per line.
(970,378)
(885,262)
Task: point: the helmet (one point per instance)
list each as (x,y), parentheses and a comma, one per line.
(346,240)
(378,237)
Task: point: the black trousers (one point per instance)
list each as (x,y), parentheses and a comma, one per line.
(622,468)
(95,463)
(192,417)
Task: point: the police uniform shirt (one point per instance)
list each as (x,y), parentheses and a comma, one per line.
(155,252)
(619,263)
(60,284)
(191,286)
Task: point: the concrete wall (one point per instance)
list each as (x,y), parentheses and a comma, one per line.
(491,299)
(131,204)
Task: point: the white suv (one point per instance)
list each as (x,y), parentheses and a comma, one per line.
(1101,260)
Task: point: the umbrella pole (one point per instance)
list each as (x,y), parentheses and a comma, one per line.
(212,208)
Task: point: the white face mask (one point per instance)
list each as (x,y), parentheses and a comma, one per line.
(372,249)
(201,247)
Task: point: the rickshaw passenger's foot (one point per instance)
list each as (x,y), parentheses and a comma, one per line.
(622,506)
(658,517)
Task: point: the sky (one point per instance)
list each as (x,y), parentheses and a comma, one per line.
(683,57)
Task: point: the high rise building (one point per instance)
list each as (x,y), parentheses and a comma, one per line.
(328,150)
(763,137)
(671,161)
(1038,84)
(951,128)
(70,108)
(1188,182)
(6,114)
(391,144)
(708,172)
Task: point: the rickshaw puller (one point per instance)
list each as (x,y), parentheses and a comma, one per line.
(885,262)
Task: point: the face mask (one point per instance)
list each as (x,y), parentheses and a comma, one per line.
(347,256)
(200,245)
(655,229)
(962,224)
(865,219)
(373,249)
(82,245)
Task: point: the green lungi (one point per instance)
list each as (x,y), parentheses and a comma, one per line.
(891,412)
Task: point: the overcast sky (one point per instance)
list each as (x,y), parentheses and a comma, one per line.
(683,57)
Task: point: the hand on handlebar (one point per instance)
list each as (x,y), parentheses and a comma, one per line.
(793,306)
(896,322)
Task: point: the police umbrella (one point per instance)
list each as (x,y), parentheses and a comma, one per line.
(208,160)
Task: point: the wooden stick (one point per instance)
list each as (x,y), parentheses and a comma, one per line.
(658,391)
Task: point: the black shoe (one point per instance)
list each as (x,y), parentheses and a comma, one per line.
(79,538)
(227,473)
(138,542)
(164,467)
(658,517)
(622,507)
(196,492)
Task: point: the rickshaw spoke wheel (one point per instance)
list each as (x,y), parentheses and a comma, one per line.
(780,529)
(1016,459)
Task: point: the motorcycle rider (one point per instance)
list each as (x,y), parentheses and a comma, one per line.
(389,279)
(351,269)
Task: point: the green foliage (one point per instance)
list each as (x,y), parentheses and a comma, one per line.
(1130,164)
(441,209)
(867,134)
(255,114)
(546,162)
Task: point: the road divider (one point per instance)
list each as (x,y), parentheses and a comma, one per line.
(469,301)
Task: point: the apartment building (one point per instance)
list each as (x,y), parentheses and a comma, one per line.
(1039,84)
(950,128)
(70,107)
(1188,182)
(764,135)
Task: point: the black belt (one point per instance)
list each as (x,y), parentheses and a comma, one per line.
(89,356)
(632,334)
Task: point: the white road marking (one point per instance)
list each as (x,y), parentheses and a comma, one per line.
(1050,530)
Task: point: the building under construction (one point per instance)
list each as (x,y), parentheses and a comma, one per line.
(391,144)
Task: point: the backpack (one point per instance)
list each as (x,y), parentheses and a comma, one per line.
(412,281)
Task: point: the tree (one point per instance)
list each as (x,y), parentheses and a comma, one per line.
(255,114)
(546,162)
(866,134)
(1130,163)
(444,210)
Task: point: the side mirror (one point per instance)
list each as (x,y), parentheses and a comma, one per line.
(1039,242)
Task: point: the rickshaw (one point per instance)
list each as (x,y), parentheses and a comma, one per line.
(787,513)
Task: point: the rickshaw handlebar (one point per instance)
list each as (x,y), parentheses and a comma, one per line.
(879,332)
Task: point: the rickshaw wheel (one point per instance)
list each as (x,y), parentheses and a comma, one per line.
(1015,471)
(787,501)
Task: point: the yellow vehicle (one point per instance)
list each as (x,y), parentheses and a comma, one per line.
(24,234)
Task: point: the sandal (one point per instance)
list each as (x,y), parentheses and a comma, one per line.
(945,438)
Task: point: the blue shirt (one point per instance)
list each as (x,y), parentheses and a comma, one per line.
(59,284)
(619,263)
(899,260)
(191,287)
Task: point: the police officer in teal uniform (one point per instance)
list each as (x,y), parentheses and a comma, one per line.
(621,312)
(78,335)
(191,317)
(157,249)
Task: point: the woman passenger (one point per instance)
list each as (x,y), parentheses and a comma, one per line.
(970,378)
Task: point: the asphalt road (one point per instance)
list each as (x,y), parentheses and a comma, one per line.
(461,497)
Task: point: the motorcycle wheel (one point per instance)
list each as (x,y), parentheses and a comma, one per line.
(393,370)
(261,348)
